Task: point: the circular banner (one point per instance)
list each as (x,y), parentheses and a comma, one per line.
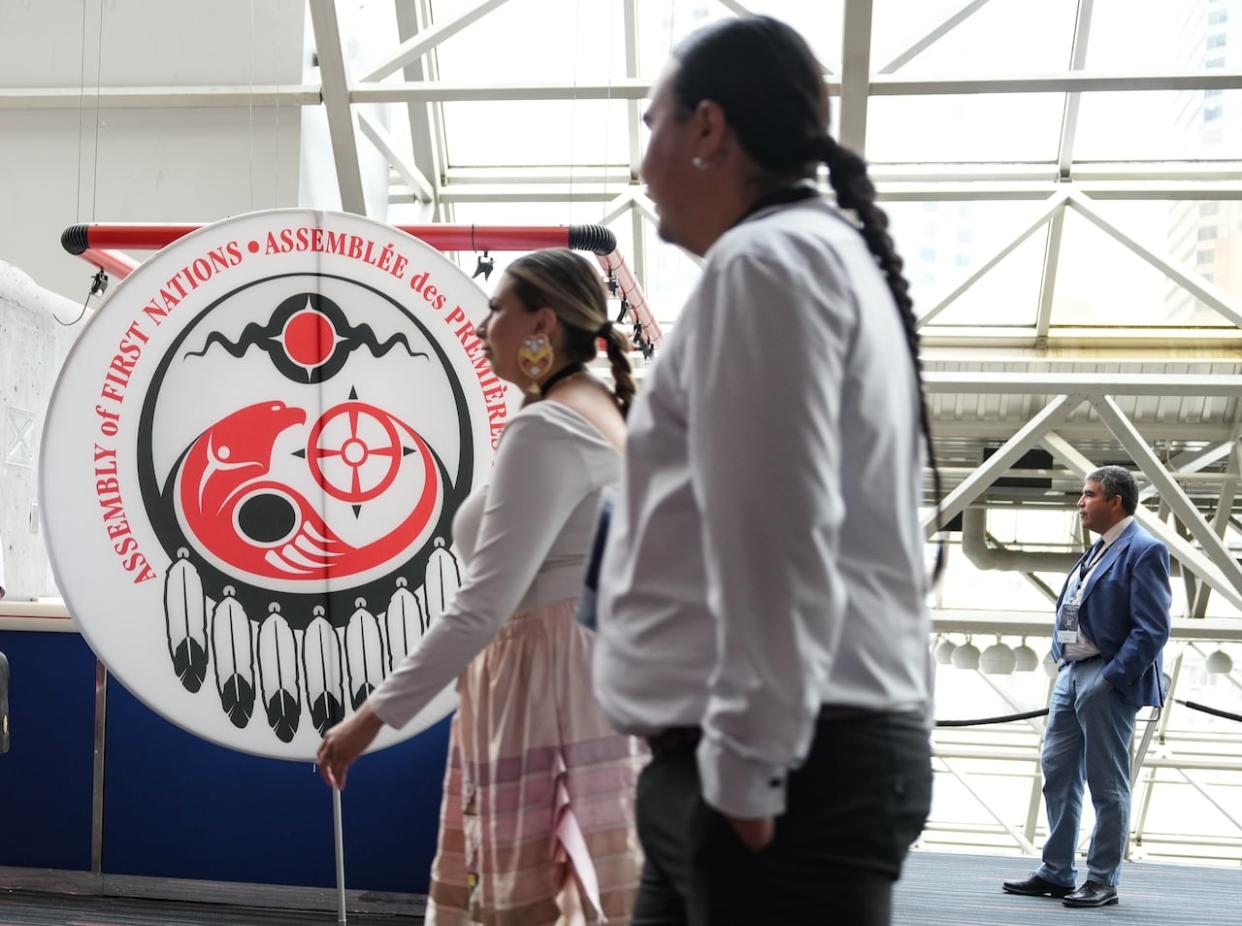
(250,467)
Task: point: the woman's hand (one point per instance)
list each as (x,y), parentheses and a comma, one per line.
(346,742)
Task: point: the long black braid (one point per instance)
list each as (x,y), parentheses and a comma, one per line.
(847,172)
(777,106)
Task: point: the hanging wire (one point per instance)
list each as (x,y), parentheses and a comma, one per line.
(251,105)
(608,113)
(99,286)
(98,93)
(99,283)
(280,38)
(77,196)
(573,111)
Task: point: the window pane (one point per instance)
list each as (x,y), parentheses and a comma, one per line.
(965,128)
(1005,296)
(671,275)
(569,41)
(1160,125)
(1203,238)
(663,25)
(1101,282)
(1011,37)
(1149,36)
(943,243)
(541,132)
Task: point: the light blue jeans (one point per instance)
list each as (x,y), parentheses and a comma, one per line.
(1089,733)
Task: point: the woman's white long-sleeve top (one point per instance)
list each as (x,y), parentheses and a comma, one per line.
(525,537)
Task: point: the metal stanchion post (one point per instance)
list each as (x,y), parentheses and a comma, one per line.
(340,856)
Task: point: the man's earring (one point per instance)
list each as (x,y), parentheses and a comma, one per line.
(699,163)
(535,360)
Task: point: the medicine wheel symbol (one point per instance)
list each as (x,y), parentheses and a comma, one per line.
(354,452)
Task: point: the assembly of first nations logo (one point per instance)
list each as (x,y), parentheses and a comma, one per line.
(251,465)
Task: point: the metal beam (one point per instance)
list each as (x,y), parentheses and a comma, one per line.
(416,46)
(1094,339)
(855,75)
(528,193)
(335,76)
(1001,461)
(633,122)
(1056,83)
(1054,205)
(388,148)
(1069,116)
(1048,278)
(1088,384)
(307,95)
(951,22)
(1220,518)
(735,7)
(617,207)
(422,117)
(1015,623)
(1172,493)
(433,91)
(184,97)
(1197,286)
(1196,464)
(1188,555)
(1220,524)
(1065,158)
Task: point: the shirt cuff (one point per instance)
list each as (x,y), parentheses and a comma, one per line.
(739,786)
(388,710)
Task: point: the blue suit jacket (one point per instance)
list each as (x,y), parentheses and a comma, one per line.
(1124,610)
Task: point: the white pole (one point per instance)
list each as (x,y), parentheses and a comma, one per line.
(340,856)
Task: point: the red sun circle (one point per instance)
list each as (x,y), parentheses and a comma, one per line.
(309,338)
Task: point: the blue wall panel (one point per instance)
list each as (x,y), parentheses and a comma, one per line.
(45,778)
(180,807)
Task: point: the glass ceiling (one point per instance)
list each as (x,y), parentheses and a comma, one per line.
(964,173)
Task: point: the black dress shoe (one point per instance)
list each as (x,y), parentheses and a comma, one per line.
(1091,894)
(1035,886)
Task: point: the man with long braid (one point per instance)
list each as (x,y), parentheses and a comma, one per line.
(761,619)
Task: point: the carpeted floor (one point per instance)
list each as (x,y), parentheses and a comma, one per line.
(938,889)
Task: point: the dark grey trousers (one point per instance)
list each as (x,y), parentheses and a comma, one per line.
(852,811)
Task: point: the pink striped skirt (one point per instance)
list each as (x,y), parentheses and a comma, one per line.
(537,823)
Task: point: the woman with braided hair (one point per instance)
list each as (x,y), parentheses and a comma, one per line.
(536,826)
(761,613)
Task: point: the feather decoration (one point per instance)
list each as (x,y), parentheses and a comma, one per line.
(364,653)
(233,655)
(404,623)
(185,616)
(322,673)
(278,675)
(443,578)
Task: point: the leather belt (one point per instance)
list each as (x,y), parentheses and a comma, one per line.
(1075,662)
(686,739)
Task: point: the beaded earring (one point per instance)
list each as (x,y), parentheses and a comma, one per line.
(535,360)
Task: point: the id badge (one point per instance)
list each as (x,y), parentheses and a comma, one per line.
(1067,624)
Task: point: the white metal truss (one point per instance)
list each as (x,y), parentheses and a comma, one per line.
(336,102)
(943,28)
(418,45)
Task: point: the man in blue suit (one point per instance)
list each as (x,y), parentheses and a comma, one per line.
(1112,623)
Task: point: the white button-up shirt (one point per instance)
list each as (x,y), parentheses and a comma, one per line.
(765,555)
